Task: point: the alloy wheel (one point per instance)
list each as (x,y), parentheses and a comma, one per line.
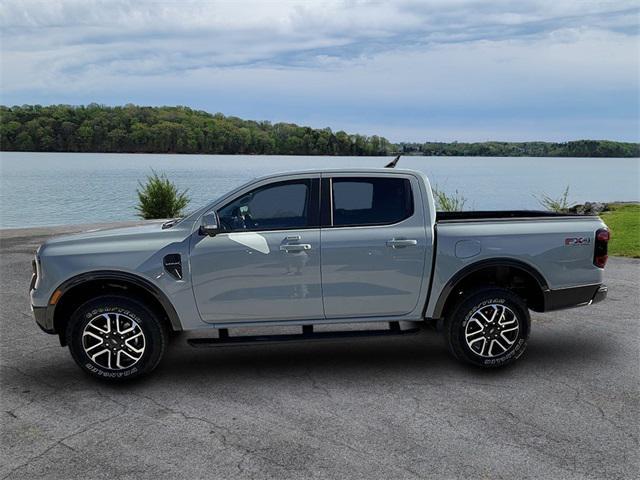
(492,330)
(114,341)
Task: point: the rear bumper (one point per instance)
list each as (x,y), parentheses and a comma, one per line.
(574,297)
(601,294)
(43,319)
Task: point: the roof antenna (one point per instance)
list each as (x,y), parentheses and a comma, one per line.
(393,163)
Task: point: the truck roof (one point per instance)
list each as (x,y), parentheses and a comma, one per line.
(358,170)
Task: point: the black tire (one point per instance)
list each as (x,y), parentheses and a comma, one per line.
(490,341)
(147,349)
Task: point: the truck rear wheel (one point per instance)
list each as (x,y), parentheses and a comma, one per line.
(116,338)
(488,327)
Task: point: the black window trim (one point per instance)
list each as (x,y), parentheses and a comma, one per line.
(313,210)
(326,209)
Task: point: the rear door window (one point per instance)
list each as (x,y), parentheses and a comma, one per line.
(359,201)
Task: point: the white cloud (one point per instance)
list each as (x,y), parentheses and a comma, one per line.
(329,61)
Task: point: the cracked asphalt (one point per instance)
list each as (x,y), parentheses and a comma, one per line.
(359,409)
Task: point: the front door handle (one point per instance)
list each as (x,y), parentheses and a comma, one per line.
(295,247)
(401,243)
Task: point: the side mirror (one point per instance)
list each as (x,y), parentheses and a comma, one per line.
(210,225)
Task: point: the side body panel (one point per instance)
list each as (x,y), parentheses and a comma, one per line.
(138,251)
(539,243)
(250,276)
(260,275)
(364,275)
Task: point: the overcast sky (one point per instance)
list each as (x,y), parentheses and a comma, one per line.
(408,70)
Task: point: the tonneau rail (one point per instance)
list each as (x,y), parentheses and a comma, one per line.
(479,215)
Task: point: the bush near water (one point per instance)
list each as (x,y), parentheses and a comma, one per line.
(160,198)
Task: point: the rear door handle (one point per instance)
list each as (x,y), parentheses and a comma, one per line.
(401,242)
(295,247)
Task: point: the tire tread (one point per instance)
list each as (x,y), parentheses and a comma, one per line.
(156,333)
(453,325)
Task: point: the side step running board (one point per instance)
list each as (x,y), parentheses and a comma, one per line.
(224,340)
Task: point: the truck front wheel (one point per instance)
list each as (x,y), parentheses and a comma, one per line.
(115,338)
(488,327)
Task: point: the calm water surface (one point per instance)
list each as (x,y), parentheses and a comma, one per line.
(39,189)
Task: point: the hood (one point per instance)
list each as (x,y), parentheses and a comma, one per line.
(133,249)
(148,237)
(108,233)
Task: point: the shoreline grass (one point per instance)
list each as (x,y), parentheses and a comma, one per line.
(623,219)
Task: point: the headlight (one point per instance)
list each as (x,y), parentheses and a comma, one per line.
(35,264)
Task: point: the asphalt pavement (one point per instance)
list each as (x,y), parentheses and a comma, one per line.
(361,409)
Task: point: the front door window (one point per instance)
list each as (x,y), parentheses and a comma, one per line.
(277,206)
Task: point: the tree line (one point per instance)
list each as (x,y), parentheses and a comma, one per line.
(136,129)
(577,148)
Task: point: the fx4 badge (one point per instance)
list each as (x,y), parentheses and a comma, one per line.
(577,241)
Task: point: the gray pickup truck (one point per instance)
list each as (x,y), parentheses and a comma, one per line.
(315,248)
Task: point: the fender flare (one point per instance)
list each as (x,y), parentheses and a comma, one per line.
(477,266)
(131,278)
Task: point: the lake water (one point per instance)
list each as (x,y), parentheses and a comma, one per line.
(41,189)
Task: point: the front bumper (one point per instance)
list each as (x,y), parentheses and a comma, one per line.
(574,297)
(43,319)
(41,314)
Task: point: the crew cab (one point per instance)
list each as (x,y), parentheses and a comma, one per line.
(310,248)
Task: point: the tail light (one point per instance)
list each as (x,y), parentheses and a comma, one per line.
(600,251)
